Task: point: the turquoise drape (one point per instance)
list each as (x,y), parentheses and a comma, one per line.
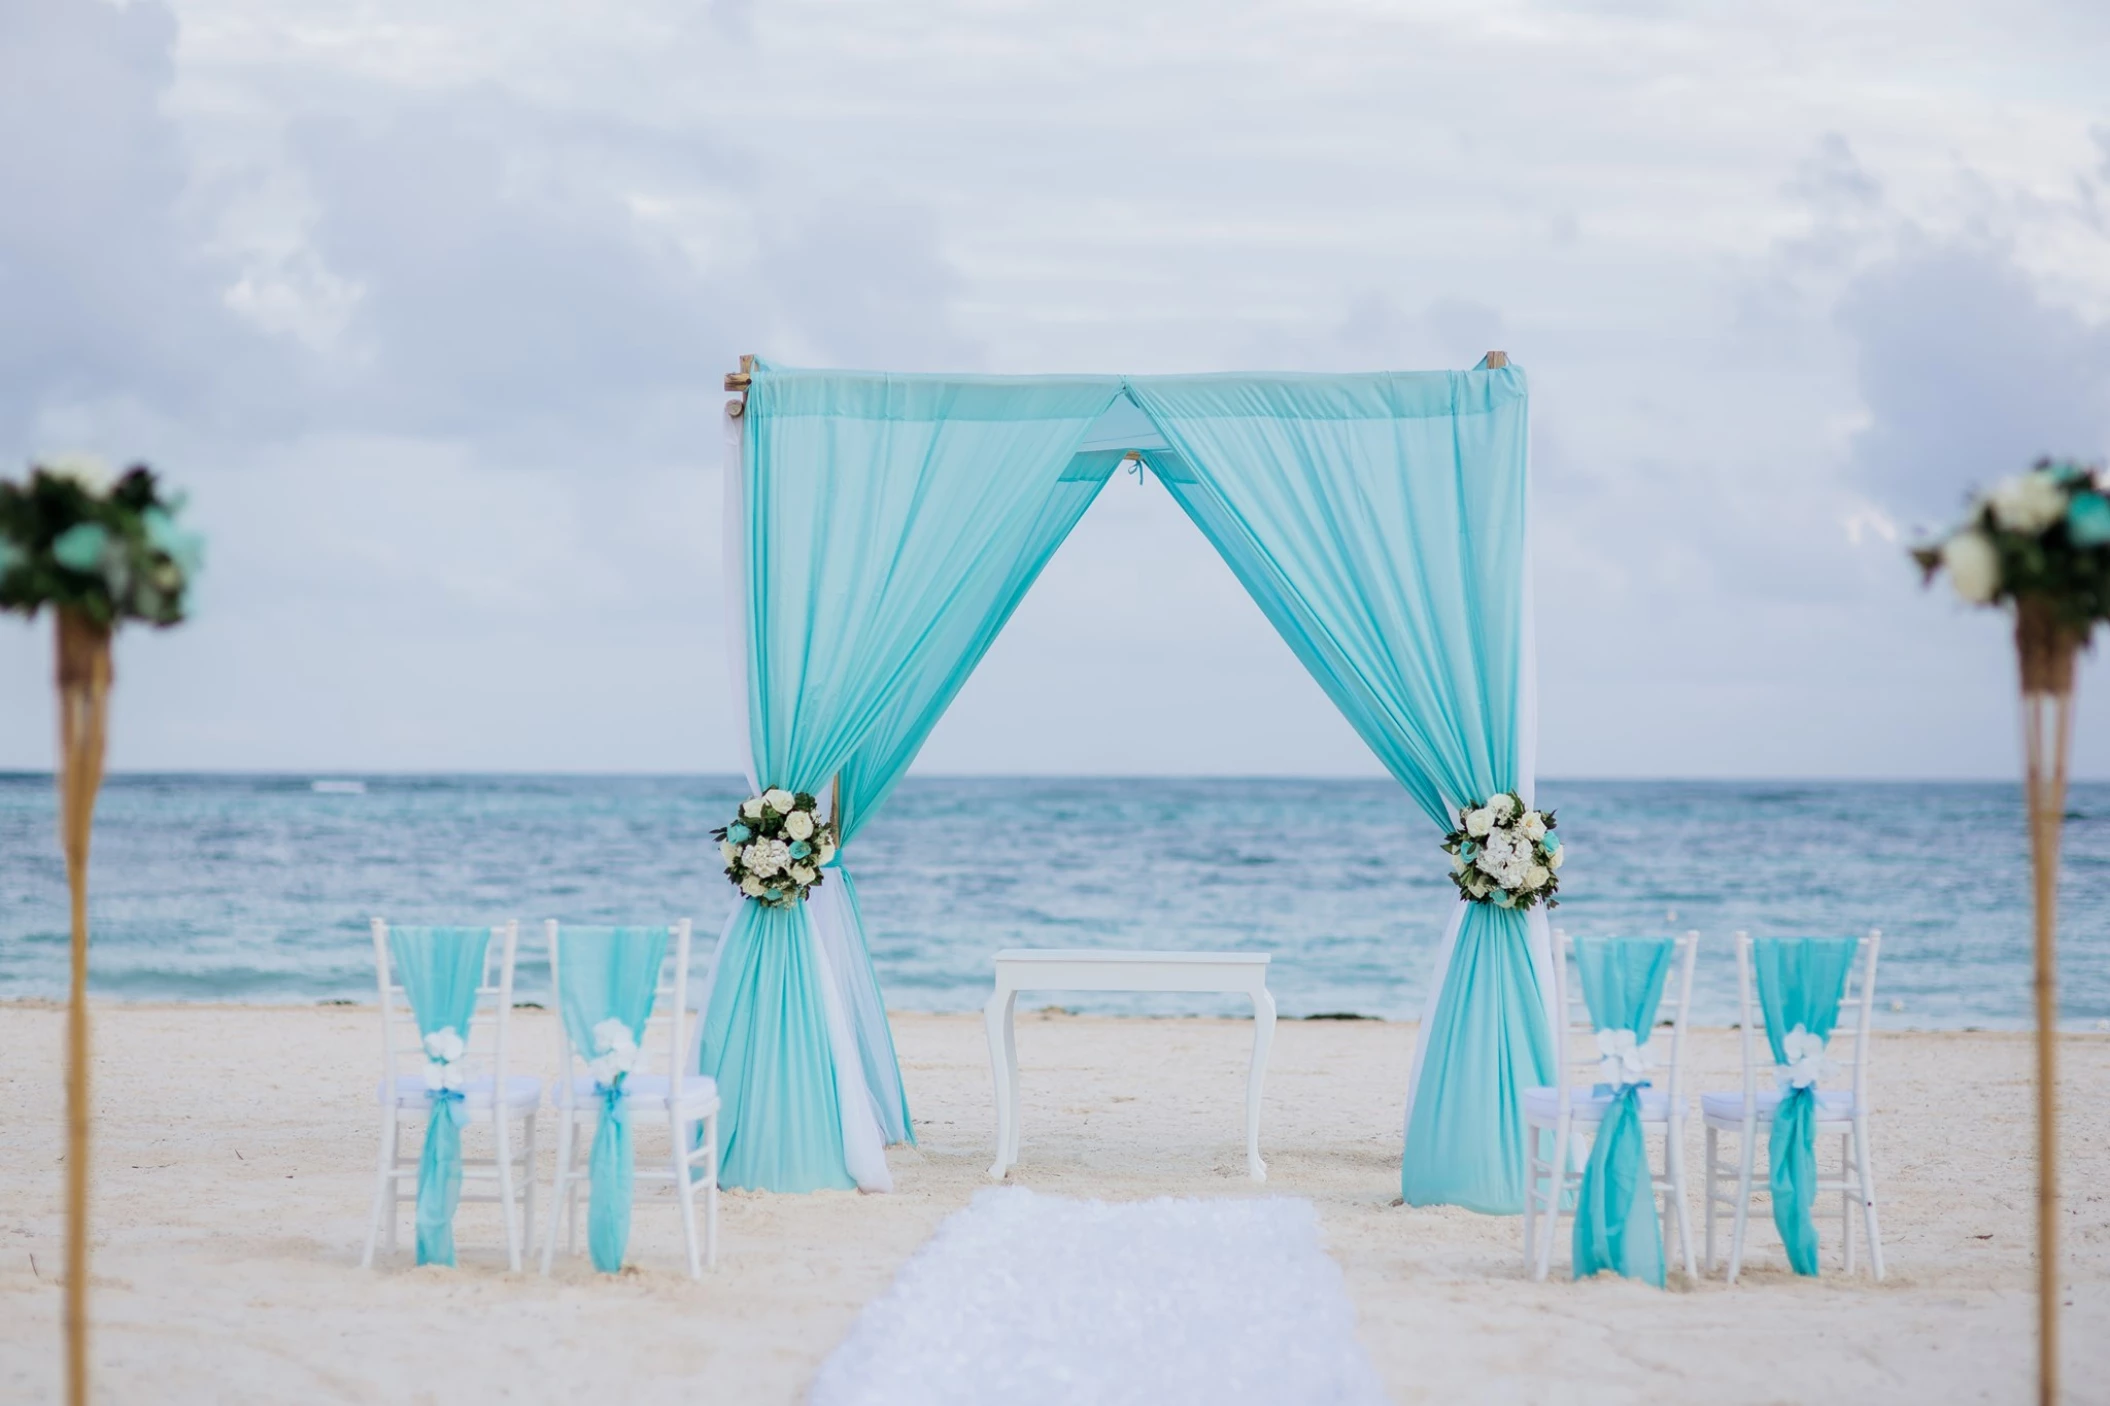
(1801,981)
(892,522)
(609,974)
(1615,1210)
(955,646)
(440,969)
(1379,522)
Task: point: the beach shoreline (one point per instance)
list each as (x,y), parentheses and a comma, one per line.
(234,1158)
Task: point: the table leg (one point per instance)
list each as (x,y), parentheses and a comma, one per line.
(996,1021)
(1263,1037)
(1011,1063)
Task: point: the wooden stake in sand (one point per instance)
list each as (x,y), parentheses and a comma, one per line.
(84,674)
(2046,648)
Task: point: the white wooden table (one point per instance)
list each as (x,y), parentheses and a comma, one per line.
(1035,969)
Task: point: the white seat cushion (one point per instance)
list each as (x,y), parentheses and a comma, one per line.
(1542,1105)
(1832,1105)
(699,1092)
(522,1091)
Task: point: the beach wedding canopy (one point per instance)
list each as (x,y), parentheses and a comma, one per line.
(882,528)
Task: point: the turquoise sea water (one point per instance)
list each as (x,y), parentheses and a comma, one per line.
(258,888)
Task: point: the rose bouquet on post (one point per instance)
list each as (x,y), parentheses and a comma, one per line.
(775,848)
(2040,543)
(1505,853)
(98,551)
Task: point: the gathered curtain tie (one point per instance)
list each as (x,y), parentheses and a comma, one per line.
(1792,1146)
(440,1163)
(610,1163)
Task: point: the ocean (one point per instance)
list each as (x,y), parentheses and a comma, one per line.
(256,888)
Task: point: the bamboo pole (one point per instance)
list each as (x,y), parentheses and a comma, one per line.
(83,650)
(2046,649)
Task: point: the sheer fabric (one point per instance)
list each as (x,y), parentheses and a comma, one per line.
(1615,1209)
(889,526)
(440,969)
(1800,983)
(1379,522)
(609,974)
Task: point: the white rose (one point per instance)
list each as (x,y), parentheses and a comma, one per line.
(1974,566)
(90,473)
(752,808)
(778,799)
(1537,877)
(827,850)
(1457,864)
(728,850)
(2028,503)
(1478,822)
(1532,826)
(1553,860)
(1503,806)
(444,1044)
(752,887)
(800,874)
(799,825)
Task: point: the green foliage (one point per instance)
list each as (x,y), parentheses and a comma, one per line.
(109,552)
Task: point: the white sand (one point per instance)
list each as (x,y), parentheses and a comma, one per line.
(234,1169)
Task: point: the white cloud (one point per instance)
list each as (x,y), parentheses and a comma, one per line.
(429,303)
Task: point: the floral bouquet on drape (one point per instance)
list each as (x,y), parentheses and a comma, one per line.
(98,551)
(1505,853)
(775,848)
(2040,542)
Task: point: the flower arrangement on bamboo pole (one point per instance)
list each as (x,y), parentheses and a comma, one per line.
(99,551)
(2039,543)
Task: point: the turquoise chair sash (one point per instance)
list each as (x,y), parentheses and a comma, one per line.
(1801,981)
(608,978)
(440,969)
(1615,1214)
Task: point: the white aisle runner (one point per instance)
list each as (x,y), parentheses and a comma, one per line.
(1023,1298)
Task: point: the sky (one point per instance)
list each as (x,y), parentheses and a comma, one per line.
(427,306)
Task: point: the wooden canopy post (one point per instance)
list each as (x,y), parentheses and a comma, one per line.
(1496,360)
(738,382)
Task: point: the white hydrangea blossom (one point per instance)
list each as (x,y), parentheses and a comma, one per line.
(1623,1062)
(766,857)
(1806,1064)
(617,1053)
(443,1052)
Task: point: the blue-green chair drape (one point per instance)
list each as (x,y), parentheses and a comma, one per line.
(1615,1209)
(609,974)
(1379,522)
(1801,981)
(440,969)
(891,524)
